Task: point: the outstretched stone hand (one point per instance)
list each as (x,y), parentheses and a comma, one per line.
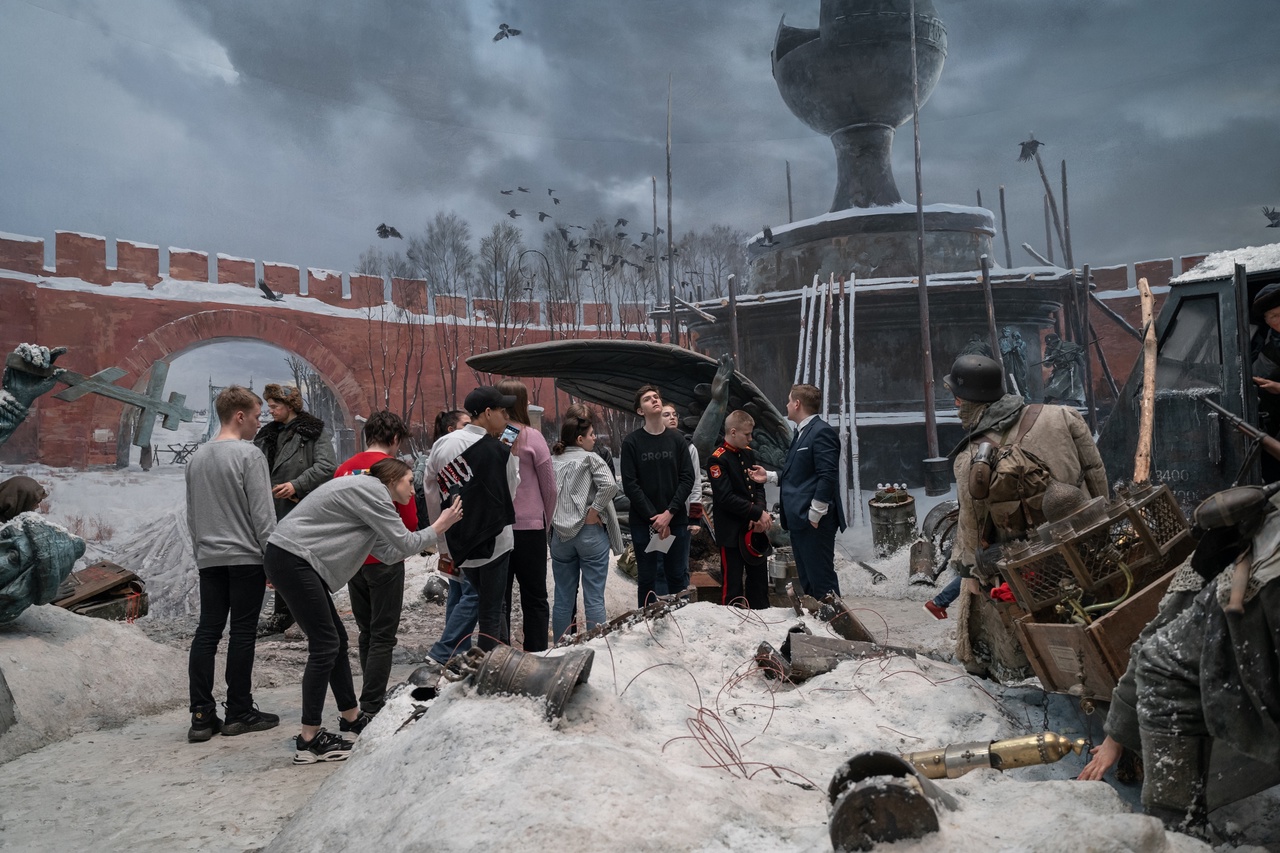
(27,386)
(21,387)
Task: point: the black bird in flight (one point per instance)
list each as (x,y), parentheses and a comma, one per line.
(512,213)
(556,200)
(579,227)
(621,235)
(564,233)
(521,189)
(585,265)
(543,217)
(613,259)
(636,246)
(268,293)
(1029,148)
(607,267)
(644,235)
(1272,214)
(594,243)
(551,192)
(505,31)
(506,192)
(620,223)
(573,245)
(384,231)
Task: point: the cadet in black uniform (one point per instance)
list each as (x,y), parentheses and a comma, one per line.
(738,510)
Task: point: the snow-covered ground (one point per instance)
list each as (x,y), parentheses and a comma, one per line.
(676,742)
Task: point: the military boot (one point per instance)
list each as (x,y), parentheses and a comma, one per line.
(1173,788)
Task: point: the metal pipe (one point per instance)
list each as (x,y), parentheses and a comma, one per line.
(733,322)
(1004,230)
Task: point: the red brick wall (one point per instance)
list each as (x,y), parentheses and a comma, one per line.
(237,271)
(1157,273)
(366,290)
(80,256)
(22,255)
(410,294)
(326,286)
(188,265)
(137,263)
(282,278)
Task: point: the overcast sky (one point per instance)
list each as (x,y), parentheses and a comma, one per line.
(287,130)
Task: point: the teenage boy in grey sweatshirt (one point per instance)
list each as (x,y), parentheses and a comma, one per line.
(230,516)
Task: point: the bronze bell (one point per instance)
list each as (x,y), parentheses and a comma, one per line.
(508,671)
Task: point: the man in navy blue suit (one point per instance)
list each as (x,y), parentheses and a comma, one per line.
(811,507)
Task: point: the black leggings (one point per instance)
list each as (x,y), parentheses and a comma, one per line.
(312,605)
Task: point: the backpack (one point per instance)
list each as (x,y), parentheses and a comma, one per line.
(1016,481)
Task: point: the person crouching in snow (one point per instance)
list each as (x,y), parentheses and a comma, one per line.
(317,549)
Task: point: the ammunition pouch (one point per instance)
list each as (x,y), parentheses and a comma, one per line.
(981,469)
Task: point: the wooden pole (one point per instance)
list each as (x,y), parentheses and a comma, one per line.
(1086,338)
(1048,234)
(989,299)
(674,331)
(979,198)
(1147,410)
(733,323)
(804,334)
(657,268)
(926,345)
(1053,205)
(855,451)
(1004,230)
(791,216)
(826,347)
(1066,224)
(1120,321)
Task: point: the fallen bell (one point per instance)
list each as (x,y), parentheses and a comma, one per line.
(878,797)
(924,563)
(505,670)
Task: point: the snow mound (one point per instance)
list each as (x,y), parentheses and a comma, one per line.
(678,743)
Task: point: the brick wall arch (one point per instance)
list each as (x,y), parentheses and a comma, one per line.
(192,331)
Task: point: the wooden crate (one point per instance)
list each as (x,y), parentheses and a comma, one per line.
(1087,661)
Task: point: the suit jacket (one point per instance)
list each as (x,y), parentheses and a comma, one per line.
(812,472)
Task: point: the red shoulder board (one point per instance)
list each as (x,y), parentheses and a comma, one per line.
(715,472)
(718,452)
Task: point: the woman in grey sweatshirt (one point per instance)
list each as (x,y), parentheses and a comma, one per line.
(313,552)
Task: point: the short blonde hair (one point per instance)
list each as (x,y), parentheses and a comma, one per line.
(232,399)
(739,420)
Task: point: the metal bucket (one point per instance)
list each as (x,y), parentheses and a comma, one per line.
(893,519)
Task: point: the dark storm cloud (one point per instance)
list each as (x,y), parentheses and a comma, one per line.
(286,130)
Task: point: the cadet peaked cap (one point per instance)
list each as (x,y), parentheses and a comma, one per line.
(1267,298)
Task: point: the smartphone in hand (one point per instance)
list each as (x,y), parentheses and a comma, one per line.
(509,435)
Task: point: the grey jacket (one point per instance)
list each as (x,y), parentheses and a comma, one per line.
(228,504)
(344,521)
(301,453)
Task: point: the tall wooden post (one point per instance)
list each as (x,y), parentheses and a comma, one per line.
(791,216)
(671,250)
(1004,230)
(933,467)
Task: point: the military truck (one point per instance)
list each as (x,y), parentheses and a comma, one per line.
(1205,352)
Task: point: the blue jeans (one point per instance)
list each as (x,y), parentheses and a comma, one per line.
(587,556)
(949,593)
(675,564)
(461,613)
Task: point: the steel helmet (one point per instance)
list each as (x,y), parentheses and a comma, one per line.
(975,378)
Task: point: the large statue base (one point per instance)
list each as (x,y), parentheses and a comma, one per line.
(876,242)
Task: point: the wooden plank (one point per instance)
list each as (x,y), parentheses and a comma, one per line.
(1115,632)
(93,580)
(1066,659)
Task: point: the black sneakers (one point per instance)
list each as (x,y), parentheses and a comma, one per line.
(276,623)
(251,720)
(356,726)
(325,746)
(204,725)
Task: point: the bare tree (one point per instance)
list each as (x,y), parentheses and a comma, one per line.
(444,258)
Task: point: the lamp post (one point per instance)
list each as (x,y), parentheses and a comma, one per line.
(534,277)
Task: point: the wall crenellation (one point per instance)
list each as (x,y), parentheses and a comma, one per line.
(84,256)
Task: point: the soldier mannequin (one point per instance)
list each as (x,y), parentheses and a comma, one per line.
(1059,438)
